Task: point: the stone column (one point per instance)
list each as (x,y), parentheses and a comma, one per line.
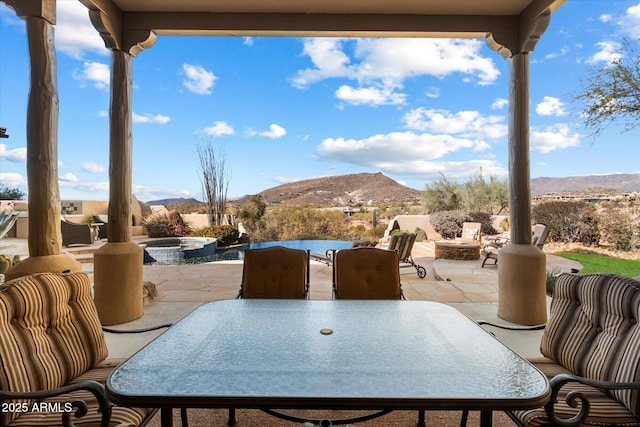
(45,239)
(521,266)
(118,264)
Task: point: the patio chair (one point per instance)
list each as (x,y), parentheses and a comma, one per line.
(275,272)
(78,234)
(402,243)
(103,222)
(327,257)
(366,273)
(590,353)
(53,354)
(538,239)
(471,231)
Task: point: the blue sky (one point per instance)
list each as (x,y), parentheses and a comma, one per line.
(286,109)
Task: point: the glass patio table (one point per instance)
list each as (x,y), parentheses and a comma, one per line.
(340,355)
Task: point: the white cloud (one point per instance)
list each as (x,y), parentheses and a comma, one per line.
(75,35)
(197,79)
(499,103)
(248,41)
(93,167)
(395,147)
(274,132)
(390,61)
(287,179)
(95,73)
(551,106)
(605,17)
(148,118)
(466,124)
(563,51)
(552,138)
(144,192)
(453,170)
(630,23)
(91,188)
(68,177)
(14,155)
(370,96)
(103,113)
(433,92)
(219,128)
(13,180)
(607,53)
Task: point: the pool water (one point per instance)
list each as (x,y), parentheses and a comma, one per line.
(162,252)
(321,246)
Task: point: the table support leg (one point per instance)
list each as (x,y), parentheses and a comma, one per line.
(232,417)
(421,419)
(486,418)
(166,417)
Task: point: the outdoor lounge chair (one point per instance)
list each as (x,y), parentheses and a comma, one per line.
(275,272)
(366,273)
(590,353)
(327,257)
(471,231)
(402,243)
(491,248)
(78,234)
(52,349)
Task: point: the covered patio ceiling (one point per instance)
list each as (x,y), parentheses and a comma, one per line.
(510,26)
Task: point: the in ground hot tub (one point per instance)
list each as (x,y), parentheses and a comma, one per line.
(179,250)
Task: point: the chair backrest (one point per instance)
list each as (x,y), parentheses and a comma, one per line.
(402,243)
(49,331)
(275,272)
(594,330)
(540,234)
(366,273)
(471,231)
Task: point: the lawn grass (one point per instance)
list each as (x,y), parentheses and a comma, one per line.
(604,264)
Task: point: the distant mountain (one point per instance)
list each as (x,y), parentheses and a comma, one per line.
(341,190)
(589,183)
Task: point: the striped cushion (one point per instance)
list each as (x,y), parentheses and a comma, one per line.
(593,330)
(49,331)
(605,411)
(129,416)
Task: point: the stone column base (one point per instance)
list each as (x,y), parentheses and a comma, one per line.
(44,264)
(117,277)
(522,275)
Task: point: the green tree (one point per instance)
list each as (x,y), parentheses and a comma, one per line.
(252,214)
(442,195)
(7,193)
(612,93)
(490,196)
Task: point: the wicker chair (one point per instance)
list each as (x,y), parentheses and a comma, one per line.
(78,234)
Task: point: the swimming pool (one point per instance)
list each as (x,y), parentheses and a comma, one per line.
(190,251)
(320,246)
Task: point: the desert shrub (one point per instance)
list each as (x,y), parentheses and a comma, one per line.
(449,223)
(567,221)
(421,235)
(485,220)
(617,228)
(552,278)
(225,234)
(170,225)
(302,222)
(505,224)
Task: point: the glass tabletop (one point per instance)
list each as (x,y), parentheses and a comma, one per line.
(319,354)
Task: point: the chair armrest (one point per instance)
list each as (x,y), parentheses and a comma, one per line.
(136,331)
(513,328)
(93,387)
(575,398)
